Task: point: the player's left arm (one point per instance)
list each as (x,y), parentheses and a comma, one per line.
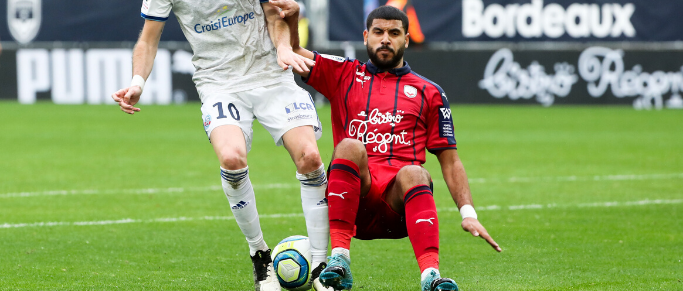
(456,179)
(282,18)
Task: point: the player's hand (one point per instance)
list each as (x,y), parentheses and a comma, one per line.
(473,226)
(128,97)
(286,57)
(287,7)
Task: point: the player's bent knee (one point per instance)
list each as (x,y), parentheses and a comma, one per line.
(350,149)
(351,144)
(233,160)
(413,175)
(309,160)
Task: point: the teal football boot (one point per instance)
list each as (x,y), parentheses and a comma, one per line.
(434,282)
(338,273)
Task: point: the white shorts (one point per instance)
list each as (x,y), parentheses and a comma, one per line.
(278,107)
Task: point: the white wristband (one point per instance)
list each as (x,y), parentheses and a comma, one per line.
(468,211)
(138,81)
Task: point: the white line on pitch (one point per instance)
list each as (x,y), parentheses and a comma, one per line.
(281,215)
(140,191)
(296,185)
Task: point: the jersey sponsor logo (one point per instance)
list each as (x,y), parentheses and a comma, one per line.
(446,125)
(446,112)
(445,121)
(207,122)
(334,58)
(360,129)
(335,194)
(425,220)
(24,18)
(410,91)
(222,18)
(240,205)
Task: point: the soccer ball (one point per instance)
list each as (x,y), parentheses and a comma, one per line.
(292,262)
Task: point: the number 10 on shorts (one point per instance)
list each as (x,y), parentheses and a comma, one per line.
(231,108)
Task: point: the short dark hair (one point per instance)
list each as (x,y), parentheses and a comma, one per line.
(388,13)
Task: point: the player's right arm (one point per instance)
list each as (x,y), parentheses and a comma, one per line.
(330,73)
(143,60)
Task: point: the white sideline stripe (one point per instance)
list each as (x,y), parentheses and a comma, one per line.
(296,185)
(140,191)
(450,209)
(130,220)
(627,177)
(580,205)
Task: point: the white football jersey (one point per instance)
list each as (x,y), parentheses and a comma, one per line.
(232,49)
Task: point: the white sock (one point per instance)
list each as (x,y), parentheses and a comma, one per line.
(314,203)
(342,251)
(428,272)
(240,193)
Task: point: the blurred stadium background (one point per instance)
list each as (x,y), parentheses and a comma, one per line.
(480,51)
(564,110)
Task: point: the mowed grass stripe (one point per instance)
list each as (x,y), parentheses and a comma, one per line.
(281,215)
(615,177)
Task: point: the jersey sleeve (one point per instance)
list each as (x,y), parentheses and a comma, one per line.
(328,74)
(157,10)
(440,134)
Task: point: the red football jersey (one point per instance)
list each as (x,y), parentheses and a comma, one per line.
(396,114)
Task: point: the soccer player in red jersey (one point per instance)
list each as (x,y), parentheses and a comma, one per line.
(384,117)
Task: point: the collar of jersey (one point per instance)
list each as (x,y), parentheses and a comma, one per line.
(398,71)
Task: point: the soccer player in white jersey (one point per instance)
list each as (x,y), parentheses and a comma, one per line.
(242,51)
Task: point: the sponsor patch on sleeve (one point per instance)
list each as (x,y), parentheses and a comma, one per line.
(446,121)
(334,58)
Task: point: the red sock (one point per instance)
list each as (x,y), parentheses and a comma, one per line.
(423,226)
(342,199)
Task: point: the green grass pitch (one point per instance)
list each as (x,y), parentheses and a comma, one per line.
(579,198)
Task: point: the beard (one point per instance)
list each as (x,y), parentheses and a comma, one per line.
(386,64)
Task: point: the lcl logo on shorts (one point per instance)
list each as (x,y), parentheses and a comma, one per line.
(295,107)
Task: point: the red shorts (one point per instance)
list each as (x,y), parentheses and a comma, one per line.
(376,219)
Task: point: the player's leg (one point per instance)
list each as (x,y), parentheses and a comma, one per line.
(412,195)
(300,142)
(229,144)
(288,113)
(349,180)
(230,136)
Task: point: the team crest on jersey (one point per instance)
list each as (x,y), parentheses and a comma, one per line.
(207,122)
(23,19)
(410,91)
